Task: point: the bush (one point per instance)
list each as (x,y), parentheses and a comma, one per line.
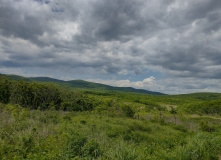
(91,149)
(139,126)
(180,128)
(204,126)
(4,89)
(84,104)
(75,144)
(123,151)
(201,146)
(162,121)
(67,117)
(127,111)
(134,136)
(66,106)
(173,110)
(83,122)
(2,106)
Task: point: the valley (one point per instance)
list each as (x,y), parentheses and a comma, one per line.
(46,119)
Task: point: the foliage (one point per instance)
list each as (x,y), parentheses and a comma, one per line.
(42,96)
(83,135)
(75,144)
(201,146)
(4,90)
(91,149)
(204,126)
(46,121)
(127,111)
(205,107)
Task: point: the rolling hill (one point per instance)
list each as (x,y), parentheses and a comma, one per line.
(81,84)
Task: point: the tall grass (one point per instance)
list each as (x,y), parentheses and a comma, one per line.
(51,134)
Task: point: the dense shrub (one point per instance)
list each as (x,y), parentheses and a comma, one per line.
(4,89)
(204,126)
(75,144)
(83,104)
(179,127)
(43,96)
(33,95)
(91,149)
(202,146)
(127,111)
(66,106)
(206,107)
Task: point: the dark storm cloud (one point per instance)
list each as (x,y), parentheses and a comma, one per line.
(190,48)
(201,9)
(179,38)
(13,22)
(121,20)
(30,20)
(117,18)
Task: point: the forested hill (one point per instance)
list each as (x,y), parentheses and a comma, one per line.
(81,84)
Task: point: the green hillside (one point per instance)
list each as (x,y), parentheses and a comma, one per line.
(50,121)
(81,84)
(16,77)
(102,87)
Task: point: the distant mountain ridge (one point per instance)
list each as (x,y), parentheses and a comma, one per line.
(81,84)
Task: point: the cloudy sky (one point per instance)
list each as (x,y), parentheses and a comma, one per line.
(170,46)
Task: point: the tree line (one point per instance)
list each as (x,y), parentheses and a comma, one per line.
(34,95)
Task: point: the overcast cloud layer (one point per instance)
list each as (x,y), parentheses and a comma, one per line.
(170,46)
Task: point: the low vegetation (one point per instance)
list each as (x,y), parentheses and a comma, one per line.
(45,121)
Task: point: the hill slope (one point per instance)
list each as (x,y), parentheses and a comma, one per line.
(103,87)
(81,84)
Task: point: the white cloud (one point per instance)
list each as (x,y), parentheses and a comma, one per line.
(65,30)
(167,85)
(148,83)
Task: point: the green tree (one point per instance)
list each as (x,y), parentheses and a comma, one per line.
(4,89)
(127,111)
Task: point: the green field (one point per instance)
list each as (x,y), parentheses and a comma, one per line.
(47,120)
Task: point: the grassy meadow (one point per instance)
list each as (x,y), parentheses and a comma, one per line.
(48,122)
